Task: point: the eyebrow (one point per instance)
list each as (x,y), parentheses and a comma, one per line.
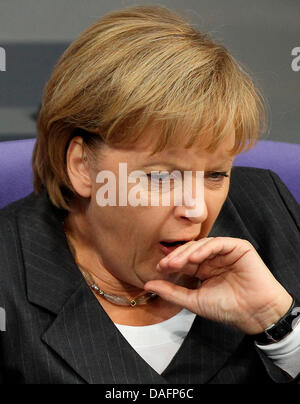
(218,166)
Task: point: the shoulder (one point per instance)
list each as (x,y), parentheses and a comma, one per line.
(242,177)
(29,209)
(26,220)
(21,211)
(21,223)
(11,268)
(11,211)
(9,217)
(250,186)
(257,192)
(249,183)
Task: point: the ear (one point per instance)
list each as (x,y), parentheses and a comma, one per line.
(78,168)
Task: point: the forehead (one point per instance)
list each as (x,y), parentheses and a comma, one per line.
(186,156)
(140,155)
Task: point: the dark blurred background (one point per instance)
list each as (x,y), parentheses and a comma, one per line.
(261,34)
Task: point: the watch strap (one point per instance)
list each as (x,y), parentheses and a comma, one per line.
(276,332)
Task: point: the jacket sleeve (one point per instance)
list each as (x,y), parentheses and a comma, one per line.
(293,210)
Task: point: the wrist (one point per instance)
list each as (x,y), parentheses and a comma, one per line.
(280,329)
(275,312)
(269,314)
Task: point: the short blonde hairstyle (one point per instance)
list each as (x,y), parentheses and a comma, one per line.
(135,67)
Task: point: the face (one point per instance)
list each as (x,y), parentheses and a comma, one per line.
(128,238)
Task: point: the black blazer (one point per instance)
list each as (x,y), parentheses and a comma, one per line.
(58,333)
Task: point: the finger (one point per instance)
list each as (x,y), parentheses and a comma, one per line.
(184,247)
(172,293)
(207,269)
(202,271)
(181,261)
(176,252)
(221,251)
(183,257)
(183,252)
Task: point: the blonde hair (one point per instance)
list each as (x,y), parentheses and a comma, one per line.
(135,67)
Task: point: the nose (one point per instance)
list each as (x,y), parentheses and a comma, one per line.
(193,205)
(193,214)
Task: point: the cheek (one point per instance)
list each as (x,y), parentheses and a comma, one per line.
(128,225)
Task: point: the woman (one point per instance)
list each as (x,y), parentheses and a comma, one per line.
(100,287)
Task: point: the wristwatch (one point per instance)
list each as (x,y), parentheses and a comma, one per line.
(280,330)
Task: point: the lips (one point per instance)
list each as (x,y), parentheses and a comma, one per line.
(167,246)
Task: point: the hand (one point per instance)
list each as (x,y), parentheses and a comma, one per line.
(237,287)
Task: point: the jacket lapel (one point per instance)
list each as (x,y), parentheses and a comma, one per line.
(81,333)
(205,350)
(85,337)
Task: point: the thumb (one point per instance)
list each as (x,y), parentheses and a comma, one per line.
(172,293)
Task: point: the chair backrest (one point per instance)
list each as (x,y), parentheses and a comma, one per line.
(280,157)
(16,171)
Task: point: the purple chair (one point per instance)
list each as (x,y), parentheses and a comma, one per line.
(280,157)
(16,172)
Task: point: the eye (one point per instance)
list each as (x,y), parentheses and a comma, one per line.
(162,176)
(217,176)
(158,177)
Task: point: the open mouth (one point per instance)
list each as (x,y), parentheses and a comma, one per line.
(168,247)
(174,243)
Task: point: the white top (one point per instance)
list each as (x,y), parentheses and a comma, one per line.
(157,344)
